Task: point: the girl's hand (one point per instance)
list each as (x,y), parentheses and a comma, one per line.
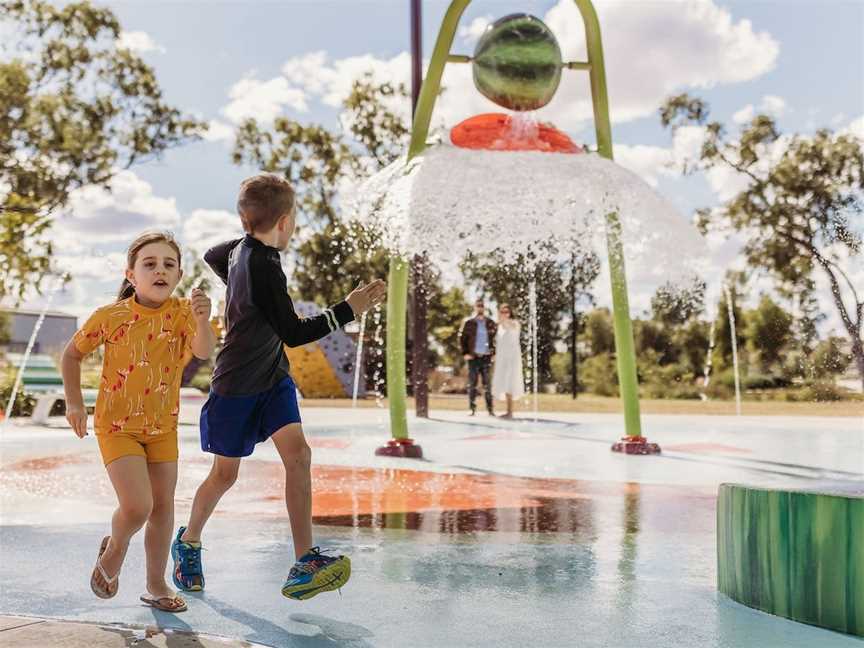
(201,306)
(362,298)
(77,417)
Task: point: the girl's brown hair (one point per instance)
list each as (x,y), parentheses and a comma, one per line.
(126,288)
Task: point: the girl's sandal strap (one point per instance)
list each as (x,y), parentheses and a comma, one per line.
(98,589)
(173,604)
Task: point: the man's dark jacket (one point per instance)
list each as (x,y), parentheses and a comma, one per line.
(468,335)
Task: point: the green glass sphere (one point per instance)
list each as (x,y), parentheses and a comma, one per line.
(517,63)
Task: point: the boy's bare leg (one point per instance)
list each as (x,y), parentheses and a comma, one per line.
(297,459)
(222,476)
(160,525)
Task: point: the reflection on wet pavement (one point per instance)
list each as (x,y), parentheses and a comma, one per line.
(424,501)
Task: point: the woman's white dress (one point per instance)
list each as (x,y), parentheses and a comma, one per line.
(507,377)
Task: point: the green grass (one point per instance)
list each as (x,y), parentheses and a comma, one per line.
(589,403)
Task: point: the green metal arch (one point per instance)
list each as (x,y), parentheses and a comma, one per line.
(398,280)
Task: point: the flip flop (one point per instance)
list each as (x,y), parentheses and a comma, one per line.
(98,590)
(165,603)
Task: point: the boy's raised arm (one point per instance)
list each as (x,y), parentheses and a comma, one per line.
(269,294)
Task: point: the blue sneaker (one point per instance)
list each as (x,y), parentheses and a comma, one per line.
(315,573)
(188,574)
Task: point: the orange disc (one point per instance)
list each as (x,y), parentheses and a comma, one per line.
(496,132)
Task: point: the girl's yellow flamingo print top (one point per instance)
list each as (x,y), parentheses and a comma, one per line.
(145,352)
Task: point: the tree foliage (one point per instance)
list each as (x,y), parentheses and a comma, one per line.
(801,198)
(673,304)
(75,108)
(769,331)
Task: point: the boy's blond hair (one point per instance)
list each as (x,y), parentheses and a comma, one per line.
(263,200)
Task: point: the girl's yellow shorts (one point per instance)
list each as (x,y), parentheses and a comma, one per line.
(155,448)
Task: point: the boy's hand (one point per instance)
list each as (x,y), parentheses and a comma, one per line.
(200,303)
(362,298)
(77,417)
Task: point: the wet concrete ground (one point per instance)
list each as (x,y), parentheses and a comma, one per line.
(507,534)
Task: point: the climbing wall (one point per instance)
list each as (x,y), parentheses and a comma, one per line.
(324,369)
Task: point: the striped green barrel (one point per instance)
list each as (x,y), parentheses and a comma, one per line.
(798,554)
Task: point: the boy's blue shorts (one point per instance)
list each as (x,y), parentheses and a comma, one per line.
(232,425)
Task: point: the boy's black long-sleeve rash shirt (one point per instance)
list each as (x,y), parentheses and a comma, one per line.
(260,318)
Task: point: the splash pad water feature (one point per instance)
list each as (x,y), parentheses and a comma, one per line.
(447,201)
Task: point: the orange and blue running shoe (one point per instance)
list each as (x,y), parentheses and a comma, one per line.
(314,573)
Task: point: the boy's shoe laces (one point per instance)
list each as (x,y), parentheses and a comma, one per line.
(191,559)
(311,565)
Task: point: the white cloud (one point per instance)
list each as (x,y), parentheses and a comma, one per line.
(649,162)
(856,128)
(651,50)
(218,131)
(263,100)
(771,105)
(91,237)
(471,33)
(139,41)
(331,82)
(98,216)
(92,266)
(204,228)
(745,115)
(655,49)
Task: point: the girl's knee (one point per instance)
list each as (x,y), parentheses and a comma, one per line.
(138,511)
(163,508)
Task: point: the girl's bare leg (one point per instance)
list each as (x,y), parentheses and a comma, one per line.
(131,482)
(160,526)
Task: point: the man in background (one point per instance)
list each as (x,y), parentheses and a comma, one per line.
(477,339)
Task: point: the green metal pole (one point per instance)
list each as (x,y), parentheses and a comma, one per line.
(397,296)
(397,283)
(624,347)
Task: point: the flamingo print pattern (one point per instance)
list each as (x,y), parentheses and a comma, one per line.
(145,351)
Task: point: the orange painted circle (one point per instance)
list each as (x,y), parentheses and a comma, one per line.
(494,132)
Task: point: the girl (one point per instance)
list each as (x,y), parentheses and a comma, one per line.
(146,334)
(507,380)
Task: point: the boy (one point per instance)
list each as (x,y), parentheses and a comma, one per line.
(252,396)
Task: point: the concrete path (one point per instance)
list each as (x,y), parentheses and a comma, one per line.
(29,632)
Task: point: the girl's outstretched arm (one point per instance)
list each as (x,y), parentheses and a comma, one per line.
(70,368)
(205,339)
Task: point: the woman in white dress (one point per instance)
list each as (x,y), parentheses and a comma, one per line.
(507,380)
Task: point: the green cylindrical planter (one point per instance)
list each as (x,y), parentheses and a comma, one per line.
(798,554)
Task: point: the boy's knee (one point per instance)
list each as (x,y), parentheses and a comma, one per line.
(225,474)
(293,446)
(299,453)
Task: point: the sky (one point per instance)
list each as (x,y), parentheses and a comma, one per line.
(800,61)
